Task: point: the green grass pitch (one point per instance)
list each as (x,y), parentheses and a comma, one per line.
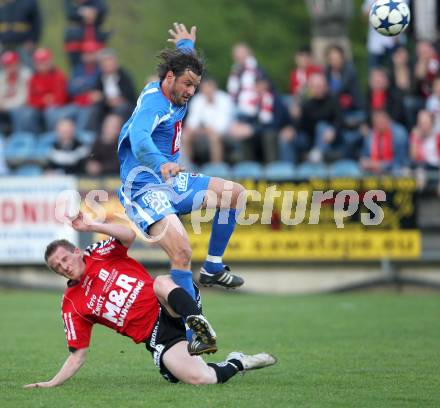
(363,350)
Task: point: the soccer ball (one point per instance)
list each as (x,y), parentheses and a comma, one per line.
(389,17)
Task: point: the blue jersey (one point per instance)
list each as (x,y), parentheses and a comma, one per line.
(152,135)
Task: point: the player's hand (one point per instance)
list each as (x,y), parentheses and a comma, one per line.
(179,32)
(81,223)
(45,384)
(170,170)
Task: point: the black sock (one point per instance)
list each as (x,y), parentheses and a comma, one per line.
(182,303)
(225,370)
(237,364)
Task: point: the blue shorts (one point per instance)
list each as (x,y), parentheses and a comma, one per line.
(150,203)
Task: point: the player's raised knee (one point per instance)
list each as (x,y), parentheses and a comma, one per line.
(237,191)
(162,285)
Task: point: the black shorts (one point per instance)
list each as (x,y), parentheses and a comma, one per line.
(167,332)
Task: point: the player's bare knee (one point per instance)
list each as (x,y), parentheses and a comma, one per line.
(237,191)
(162,285)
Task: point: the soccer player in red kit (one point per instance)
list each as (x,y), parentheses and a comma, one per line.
(106,286)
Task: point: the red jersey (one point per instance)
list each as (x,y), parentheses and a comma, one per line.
(52,85)
(299,78)
(115,291)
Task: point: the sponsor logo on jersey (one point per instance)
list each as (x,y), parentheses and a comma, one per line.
(69,327)
(182,182)
(120,300)
(86,279)
(96,304)
(157,353)
(97,245)
(87,284)
(103,275)
(109,283)
(105,250)
(91,303)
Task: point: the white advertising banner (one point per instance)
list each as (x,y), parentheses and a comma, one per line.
(27,217)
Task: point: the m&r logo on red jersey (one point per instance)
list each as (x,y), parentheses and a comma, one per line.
(177,137)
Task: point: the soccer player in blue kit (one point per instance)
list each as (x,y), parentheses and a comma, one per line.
(155,188)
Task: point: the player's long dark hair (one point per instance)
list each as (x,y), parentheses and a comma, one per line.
(52,247)
(178,61)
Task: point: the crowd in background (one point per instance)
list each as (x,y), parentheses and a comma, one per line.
(69,122)
(392,127)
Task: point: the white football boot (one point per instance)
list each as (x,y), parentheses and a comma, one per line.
(254,361)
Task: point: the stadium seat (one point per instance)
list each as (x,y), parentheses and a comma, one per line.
(345,168)
(310,170)
(20,147)
(86,137)
(29,170)
(279,171)
(44,145)
(247,170)
(221,170)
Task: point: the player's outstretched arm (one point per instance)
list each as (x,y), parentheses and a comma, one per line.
(124,234)
(179,32)
(71,366)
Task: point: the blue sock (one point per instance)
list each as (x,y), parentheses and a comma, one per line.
(184,280)
(222,228)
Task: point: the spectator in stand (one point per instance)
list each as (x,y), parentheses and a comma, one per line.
(209,117)
(330,20)
(258,134)
(304,68)
(344,86)
(68,154)
(380,47)
(85,18)
(83,84)
(382,97)
(425,141)
(115,90)
(402,84)
(242,79)
(385,146)
(426,69)
(20,22)
(14,80)
(318,124)
(102,161)
(47,95)
(424,147)
(433,103)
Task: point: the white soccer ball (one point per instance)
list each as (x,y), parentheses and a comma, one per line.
(390,17)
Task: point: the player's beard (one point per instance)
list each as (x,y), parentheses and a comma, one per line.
(178,99)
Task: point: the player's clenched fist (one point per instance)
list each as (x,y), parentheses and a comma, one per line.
(170,170)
